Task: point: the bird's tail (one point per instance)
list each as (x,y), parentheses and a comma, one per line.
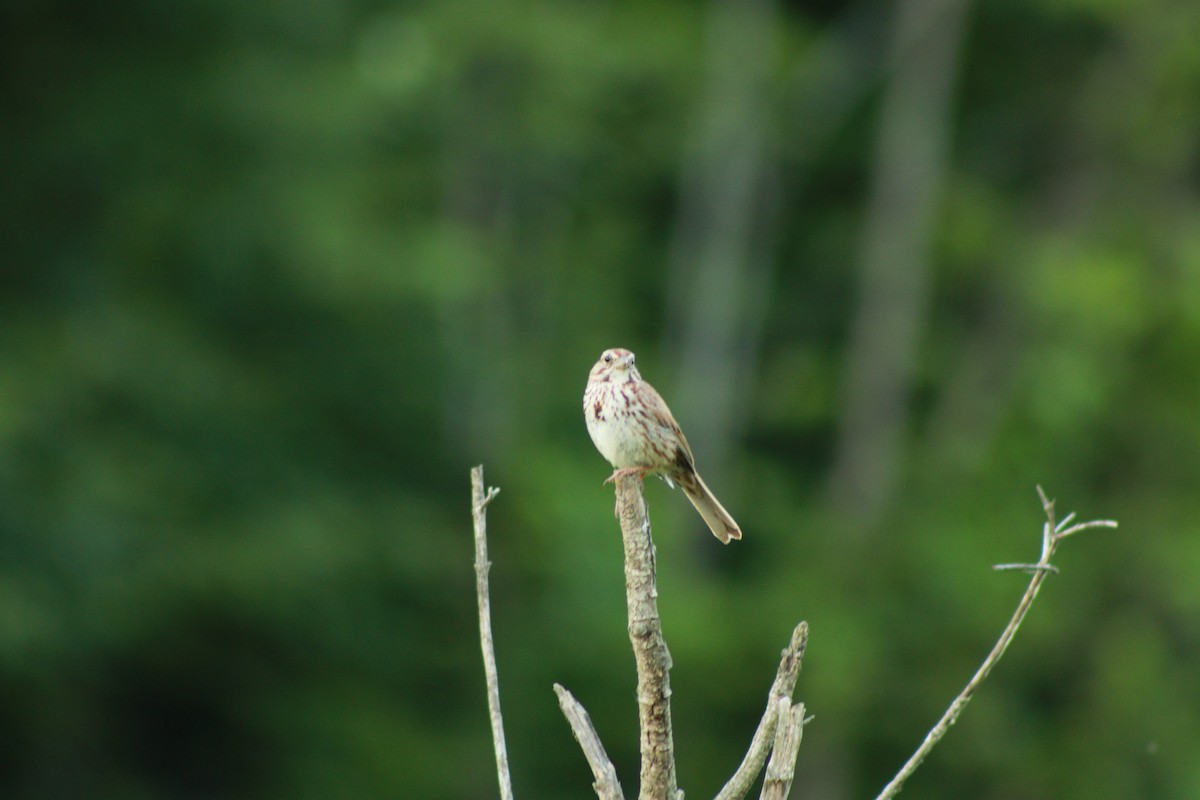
(714,514)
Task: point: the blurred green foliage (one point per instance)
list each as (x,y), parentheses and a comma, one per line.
(275,275)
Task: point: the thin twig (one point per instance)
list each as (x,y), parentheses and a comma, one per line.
(1051,536)
(1083,526)
(479,503)
(658,781)
(782,687)
(606,785)
(1025,568)
(781,769)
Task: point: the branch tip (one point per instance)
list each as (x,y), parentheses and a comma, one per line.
(1047,503)
(486,500)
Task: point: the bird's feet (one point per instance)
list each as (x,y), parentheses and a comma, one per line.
(641,472)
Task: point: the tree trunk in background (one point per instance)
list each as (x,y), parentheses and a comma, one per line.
(911,154)
(478,330)
(719,261)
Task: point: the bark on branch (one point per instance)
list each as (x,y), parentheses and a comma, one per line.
(650,653)
(781,769)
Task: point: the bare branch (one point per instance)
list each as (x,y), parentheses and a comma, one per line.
(1047,503)
(1025,567)
(781,769)
(479,503)
(650,653)
(606,785)
(1051,536)
(1083,526)
(784,684)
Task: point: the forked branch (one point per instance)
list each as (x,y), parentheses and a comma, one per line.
(1052,534)
(765,738)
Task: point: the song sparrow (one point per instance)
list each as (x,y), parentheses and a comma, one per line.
(632,427)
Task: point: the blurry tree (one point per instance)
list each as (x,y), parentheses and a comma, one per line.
(912,149)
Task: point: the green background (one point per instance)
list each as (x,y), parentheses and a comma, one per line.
(273,276)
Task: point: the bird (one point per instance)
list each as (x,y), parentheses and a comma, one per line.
(633,429)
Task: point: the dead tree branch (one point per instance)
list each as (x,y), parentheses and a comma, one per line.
(658,781)
(606,785)
(1052,534)
(479,503)
(779,731)
(764,738)
(781,769)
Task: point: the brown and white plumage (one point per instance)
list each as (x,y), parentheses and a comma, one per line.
(633,429)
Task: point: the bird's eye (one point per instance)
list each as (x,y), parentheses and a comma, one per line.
(608,358)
